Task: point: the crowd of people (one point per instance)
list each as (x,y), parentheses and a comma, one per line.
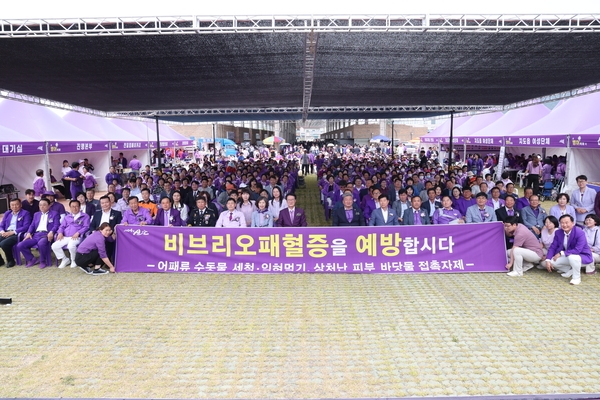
(360,186)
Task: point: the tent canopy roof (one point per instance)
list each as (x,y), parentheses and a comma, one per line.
(259,70)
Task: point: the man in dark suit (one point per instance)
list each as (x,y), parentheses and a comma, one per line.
(348,215)
(508,210)
(415,215)
(167,215)
(112,217)
(431,204)
(190,198)
(291,216)
(106,214)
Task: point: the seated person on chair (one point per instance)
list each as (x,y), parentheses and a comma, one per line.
(71,230)
(41,234)
(13,226)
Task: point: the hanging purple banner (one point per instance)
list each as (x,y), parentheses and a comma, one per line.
(537,141)
(389,250)
(75,147)
(128,145)
(8,149)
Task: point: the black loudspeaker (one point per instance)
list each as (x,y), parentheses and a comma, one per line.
(4,204)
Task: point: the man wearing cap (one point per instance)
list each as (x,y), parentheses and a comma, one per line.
(40,233)
(349,214)
(223,197)
(54,205)
(71,230)
(480,212)
(526,250)
(13,226)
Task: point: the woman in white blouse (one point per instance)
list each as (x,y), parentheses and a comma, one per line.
(183,209)
(563,207)
(547,236)
(592,221)
(277,204)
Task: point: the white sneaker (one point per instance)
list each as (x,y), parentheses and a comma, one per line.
(567,274)
(65,261)
(73,264)
(575,281)
(527,266)
(514,273)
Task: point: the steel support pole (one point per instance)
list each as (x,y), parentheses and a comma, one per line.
(158,157)
(451,148)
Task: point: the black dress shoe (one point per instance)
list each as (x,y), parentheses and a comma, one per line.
(11,264)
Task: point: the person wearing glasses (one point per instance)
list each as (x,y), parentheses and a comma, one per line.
(583,199)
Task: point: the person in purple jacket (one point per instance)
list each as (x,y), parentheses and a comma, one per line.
(70,232)
(136,215)
(75,178)
(167,215)
(14,224)
(569,250)
(40,233)
(91,253)
(39,184)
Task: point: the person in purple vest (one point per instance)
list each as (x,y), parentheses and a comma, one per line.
(72,228)
(569,250)
(40,233)
(14,224)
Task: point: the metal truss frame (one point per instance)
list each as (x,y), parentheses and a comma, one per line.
(299,110)
(556,96)
(155,25)
(25,98)
(310,55)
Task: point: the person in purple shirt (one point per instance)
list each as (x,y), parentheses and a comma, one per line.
(40,233)
(72,228)
(30,204)
(91,254)
(76,179)
(569,250)
(523,202)
(467,200)
(112,174)
(447,214)
(167,215)
(563,207)
(135,165)
(54,205)
(136,215)
(14,224)
(39,184)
